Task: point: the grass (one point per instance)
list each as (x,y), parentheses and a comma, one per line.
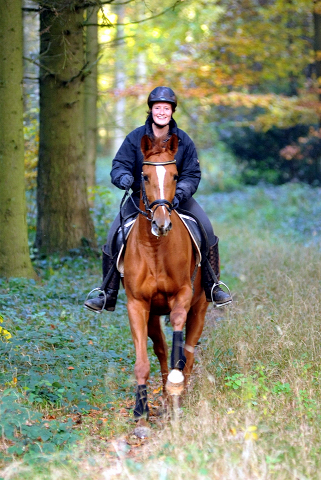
(254,410)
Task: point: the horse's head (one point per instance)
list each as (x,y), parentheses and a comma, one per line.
(159,179)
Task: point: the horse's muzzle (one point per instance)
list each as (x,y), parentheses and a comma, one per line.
(161,230)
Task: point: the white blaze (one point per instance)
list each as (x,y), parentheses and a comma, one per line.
(161,171)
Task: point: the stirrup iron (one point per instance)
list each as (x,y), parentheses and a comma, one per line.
(212,291)
(105,300)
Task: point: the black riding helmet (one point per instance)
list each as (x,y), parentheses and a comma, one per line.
(162,94)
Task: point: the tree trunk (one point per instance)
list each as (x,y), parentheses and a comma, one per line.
(14,251)
(63,221)
(317,51)
(120,82)
(91,96)
(317,43)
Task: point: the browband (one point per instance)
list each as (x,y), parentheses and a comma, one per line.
(159,163)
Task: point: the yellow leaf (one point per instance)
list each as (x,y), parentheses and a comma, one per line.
(252,428)
(250,436)
(250,433)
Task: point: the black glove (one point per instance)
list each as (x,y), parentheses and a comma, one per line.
(175,202)
(126,181)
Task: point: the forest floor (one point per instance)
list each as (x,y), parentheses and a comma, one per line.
(254,412)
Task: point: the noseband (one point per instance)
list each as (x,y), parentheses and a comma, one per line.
(159,203)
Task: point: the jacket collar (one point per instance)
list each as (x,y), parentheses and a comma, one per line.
(149,130)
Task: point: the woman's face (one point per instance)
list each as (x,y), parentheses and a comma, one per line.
(162,113)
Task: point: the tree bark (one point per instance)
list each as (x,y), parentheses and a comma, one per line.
(120,82)
(317,52)
(91,95)
(63,221)
(14,251)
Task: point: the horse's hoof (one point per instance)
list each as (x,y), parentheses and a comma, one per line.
(142,432)
(142,429)
(175,382)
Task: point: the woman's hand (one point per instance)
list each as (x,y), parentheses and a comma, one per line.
(126,181)
(175,202)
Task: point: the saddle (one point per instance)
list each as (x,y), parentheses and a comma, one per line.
(119,246)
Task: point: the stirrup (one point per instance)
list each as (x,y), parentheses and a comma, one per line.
(216,305)
(105,300)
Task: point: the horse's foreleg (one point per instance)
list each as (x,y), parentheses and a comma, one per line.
(156,334)
(194,328)
(138,318)
(175,381)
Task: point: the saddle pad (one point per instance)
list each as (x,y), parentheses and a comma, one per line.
(189,223)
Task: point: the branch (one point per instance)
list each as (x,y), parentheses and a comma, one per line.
(137,21)
(82,73)
(38,65)
(124,3)
(115,40)
(99,3)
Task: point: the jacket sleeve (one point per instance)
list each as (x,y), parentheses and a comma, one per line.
(124,162)
(190,174)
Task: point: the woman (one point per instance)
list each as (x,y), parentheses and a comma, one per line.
(126,173)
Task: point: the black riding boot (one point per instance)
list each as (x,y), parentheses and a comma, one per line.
(111,288)
(211,275)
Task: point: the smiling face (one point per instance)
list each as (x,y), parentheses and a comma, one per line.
(162,113)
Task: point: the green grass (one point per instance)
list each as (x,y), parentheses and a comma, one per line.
(253,411)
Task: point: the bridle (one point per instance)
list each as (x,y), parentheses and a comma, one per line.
(149,213)
(159,203)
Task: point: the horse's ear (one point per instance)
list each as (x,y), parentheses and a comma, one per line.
(146,144)
(172,144)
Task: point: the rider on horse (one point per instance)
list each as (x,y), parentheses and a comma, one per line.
(126,173)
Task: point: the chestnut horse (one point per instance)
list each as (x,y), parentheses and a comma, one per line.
(160,276)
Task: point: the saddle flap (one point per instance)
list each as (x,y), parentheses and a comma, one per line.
(120,245)
(195,234)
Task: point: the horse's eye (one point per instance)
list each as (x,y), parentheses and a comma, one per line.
(146,178)
(175,178)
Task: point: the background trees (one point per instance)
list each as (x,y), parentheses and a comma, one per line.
(63,213)
(246,74)
(14,250)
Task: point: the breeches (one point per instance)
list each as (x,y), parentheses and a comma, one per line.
(190,206)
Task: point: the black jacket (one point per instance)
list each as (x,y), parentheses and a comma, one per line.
(129,159)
